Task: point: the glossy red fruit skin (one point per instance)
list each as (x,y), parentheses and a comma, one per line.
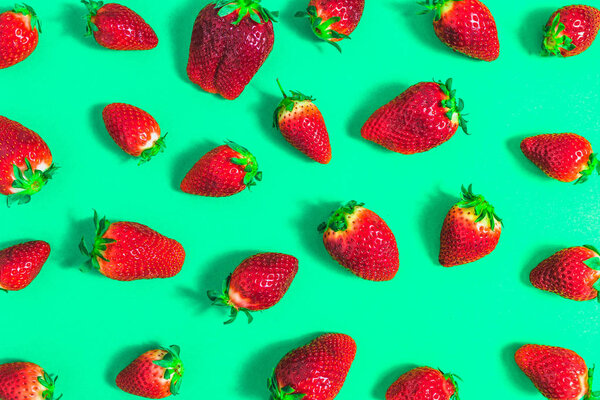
(120,28)
(20,264)
(558,373)
(18,39)
(144,378)
(565,274)
(223,57)
(318,369)
(132,129)
(19,381)
(581,25)
(349,11)
(423,383)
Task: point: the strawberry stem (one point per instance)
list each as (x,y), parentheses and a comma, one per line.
(281,88)
(453,104)
(29,181)
(48,382)
(100,244)
(434,6)
(248,161)
(480,205)
(221,299)
(282,393)
(555,39)
(322,29)
(288,103)
(173,366)
(244,8)
(592,165)
(338,220)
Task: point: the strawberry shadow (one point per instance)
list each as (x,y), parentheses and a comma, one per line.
(313,214)
(516,375)
(537,256)
(13,242)
(420,26)
(121,359)
(531,33)
(432,219)
(75,21)
(390,377)
(69,255)
(182,25)
(187,160)
(99,129)
(301,25)
(514,147)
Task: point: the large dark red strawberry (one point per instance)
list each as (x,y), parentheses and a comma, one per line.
(362,242)
(466,26)
(156,374)
(566,157)
(26,381)
(230,42)
(257,284)
(302,125)
(571,273)
(315,371)
(117,27)
(127,251)
(20,264)
(571,30)
(424,383)
(223,171)
(559,374)
(25,162)
(424,116)
(333,20)
(19,33)
(471,230)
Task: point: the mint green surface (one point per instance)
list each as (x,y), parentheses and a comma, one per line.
(468,320)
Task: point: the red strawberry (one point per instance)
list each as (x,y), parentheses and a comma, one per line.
(127,251)
(315,371)
(362,242)
(230,42)
(470,231)
(20,264)
(25,381)
(302,125)
(571,273)
(25,162)
(156,374)
(563,156)
(571,30)
(559,374)
(19,31)
(223,171)
(134,130)
(333,20)
(257,284)
(423,117)
(424,383)
(466,26)
(117,27)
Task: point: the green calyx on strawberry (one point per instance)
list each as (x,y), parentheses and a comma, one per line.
(284,393)
(288,103)
(455,106)
(93,7)
(159,147)
(248,161)
(435,6)
(338,221)
(29,11)
(453,378)
(322,28)
(221,298)
(30,181)
(591,395)
(554,39)
(482,207)
(48,382)
(593,165)
(100,243)
(173,366)
(257,13)
(594,263)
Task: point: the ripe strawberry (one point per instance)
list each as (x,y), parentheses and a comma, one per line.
(559,374)
(315,371)
(563,156)
(423,117)
(25,162)
(466,26)
(117,27)
(470,231)
(20,264)
(223,171)
(134,130)
(26,381)
(571,30)
(362,242)
(333,20)
(19,31)
(424,383)
(230,42)
(127,251)
(302,125)
(257,284)
(156,374)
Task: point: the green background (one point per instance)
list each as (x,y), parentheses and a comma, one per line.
(468,320)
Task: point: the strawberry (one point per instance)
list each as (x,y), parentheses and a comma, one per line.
(223,171)
(466,26)
(571,30)
(315,371)
(127,251)
(230,42)
(424,383)
(20,264)
(25,162)
(117,27)
(471,230)
(566,157)
(19,33)
(571,273)
(333,20)
(257,284)
(26,381)
(361,241)
(156,374)
(134,130)
(302,125)
(423,117)
(559,374)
